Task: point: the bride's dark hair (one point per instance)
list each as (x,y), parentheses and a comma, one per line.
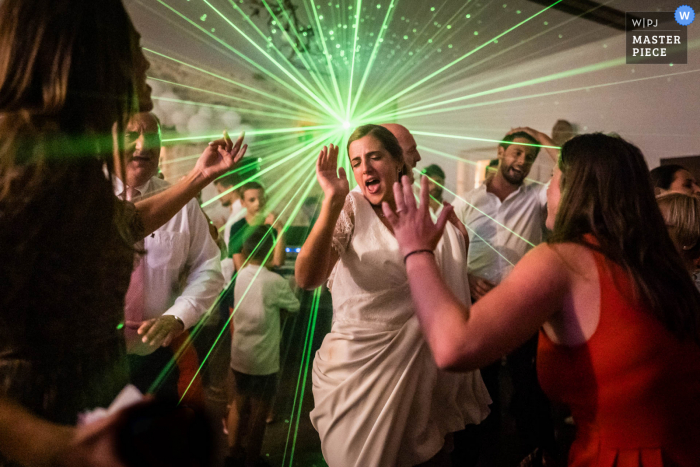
(384,136)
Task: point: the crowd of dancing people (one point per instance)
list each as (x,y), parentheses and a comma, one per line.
(585,287)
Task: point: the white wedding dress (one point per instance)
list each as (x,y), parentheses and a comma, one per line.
(380,400)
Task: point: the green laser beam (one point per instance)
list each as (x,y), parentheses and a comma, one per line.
(253,133)
(172,362)
(454,62)
(312,320)
(286,72)
(265,38)
(228,96)
(373,56)
(452,76)
(416,183)
(283,116)
(461,159)
(309,65)
(546,94)
(227,324)
(354,52)
(471,138)
(245,58)
(328,56)
(231,81)
(487,216)
(273,166)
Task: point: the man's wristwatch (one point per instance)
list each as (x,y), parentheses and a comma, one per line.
(179,320)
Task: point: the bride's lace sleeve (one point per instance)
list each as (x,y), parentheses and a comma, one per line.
(345,226)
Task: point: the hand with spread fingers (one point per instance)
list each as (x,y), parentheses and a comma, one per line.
(220,157)
(413,227)
(333,181)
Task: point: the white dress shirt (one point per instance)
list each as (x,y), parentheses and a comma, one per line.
(181,245)
(522,212)
(255,346)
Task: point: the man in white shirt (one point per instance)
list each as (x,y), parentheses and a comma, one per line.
(178,278)
(505,200)
(505,216)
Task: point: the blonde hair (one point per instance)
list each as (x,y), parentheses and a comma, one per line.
(682,215)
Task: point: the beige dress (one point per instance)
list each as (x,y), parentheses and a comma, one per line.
(380,400)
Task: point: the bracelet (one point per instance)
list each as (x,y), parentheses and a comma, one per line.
(416,252)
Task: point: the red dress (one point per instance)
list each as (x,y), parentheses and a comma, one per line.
(633,388)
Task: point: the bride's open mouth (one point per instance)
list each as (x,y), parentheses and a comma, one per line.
(372,185)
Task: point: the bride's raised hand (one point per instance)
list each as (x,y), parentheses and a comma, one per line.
(333,181)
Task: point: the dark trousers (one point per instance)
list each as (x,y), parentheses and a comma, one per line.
(492,442)
(145,370)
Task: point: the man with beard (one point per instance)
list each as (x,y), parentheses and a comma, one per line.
(505,200)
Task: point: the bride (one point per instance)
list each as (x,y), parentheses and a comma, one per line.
(380,400)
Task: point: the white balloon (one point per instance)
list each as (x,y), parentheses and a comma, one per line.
(199,125)
(206,112)
(158,87)
(179,118)
(231,120)
(182,128)
(168,105)
(189,110)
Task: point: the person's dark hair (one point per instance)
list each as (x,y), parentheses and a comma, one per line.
(227,181)
(662,176)
(606,193)
(67,75)
(433,170)
(260,236)
(250,186)
(508,140)
(384,136)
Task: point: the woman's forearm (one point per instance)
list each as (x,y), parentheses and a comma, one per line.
(28,439)
(313,263)
(443,318)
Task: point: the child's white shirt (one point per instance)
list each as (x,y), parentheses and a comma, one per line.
(259,295)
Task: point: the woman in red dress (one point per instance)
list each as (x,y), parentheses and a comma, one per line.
(618,315)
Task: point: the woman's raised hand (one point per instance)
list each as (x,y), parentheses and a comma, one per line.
(220,157)
(333,181)
(413,227)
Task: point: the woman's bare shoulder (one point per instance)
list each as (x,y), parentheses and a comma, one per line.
(567,257)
